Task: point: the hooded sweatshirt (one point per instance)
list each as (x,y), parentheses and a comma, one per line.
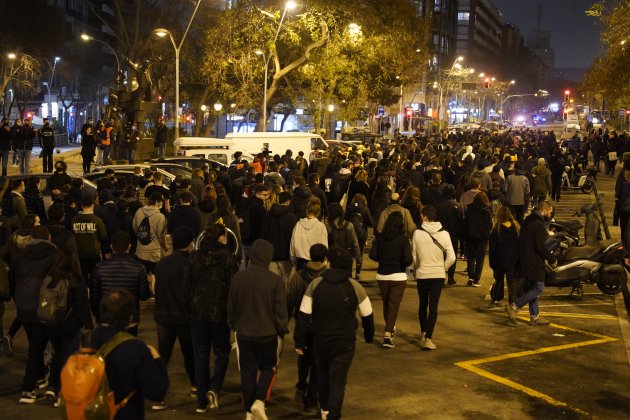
(277,228)
(307,232)
(428,258)
(153,251)
(184,215)
(299,281)
(469,152)
(257,303)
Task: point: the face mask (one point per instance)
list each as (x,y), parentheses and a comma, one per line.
(46,124)
(58,168)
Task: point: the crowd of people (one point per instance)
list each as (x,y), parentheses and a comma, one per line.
(231,255)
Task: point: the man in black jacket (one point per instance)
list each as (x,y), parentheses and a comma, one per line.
(257,312)
(184,214)
(313,184)
(533,254)
(255,208)
(171,313)
(47,141)
(451,217)
(5,144)
(161,133)
(277,229)
(134,368)
(301,196)
(331,302)
(206,284)
(25,147)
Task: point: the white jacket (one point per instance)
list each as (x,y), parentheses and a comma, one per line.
(428,258)
(306,233)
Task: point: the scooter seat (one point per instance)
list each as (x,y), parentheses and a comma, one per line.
(581,252)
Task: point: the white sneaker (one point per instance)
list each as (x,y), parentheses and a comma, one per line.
(258,410)
(159,406)
(422,336)
(324,414)
(249,416)
(428,344)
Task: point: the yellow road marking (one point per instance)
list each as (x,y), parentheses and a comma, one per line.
(563,314)
(472,365)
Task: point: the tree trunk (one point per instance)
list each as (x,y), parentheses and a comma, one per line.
(285,117)
(202,100)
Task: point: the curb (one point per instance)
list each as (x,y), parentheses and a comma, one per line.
(624,322)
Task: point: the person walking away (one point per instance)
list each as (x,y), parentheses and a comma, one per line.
(517,192)
(451,218)
(477,226)
(14,205)
(34,199)
(503,256)
(254,214)
(433,254)
(277,229)
(361,218)
(88,149)
(206,284)
(257,312)
(5,144)
(161,133)
(556,163)
(47,142)
(330,303)
(184,214)
(394,205)
(301,196)
(134,369)
(533,254)
(29,268)
(541,184)
(121,271)
(149,226)
(393,254)
(171,306)
(306,387)
(306,233)
(91,233)
(341,233)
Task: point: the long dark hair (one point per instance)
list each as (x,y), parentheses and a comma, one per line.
(336,214)
(394,226)
(65,266)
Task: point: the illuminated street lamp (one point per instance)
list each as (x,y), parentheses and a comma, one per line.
(11,56)
(87,38)
(217,107)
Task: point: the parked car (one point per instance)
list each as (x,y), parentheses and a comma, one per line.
(122,172)
(191,162)
(44,179)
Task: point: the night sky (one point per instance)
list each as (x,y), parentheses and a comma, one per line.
(574,36)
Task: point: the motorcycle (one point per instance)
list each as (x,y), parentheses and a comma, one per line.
(584,183)
(568,231)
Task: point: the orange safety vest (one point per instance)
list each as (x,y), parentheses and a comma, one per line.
(257,167)
(106,141)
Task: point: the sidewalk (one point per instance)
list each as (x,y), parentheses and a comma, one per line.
(67,153)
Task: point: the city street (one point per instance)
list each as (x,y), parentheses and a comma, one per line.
(483,368)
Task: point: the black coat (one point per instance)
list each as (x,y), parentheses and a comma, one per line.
(184,216)
(478,222)
(504,248)
(277,229)
(170,303)
(301,197)
(451,218)
(393,254)
(319,193)
(532,249)
(88,146)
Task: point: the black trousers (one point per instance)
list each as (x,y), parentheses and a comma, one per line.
(47,156)
(255,357)
(429,291)
(556,187)
(60,337)
(518,211)
(307,370)
(167,334)
(333,365)
(87,268)
(475,255)
(497,291)
(87,164)
(37,339)
(207,337)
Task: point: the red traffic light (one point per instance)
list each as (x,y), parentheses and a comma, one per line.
(409,112)
(188,119)
(567,92)
(29,115)
(628,112)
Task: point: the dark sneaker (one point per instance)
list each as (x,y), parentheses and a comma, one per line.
(201,408)
(300,395)
(388,343)
(51,394)
(213,399)
(43,383)
(29,397)
(538,322)
(450,283)
(470,282)
(158,406)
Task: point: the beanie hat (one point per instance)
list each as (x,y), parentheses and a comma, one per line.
(182,237)
(541,161)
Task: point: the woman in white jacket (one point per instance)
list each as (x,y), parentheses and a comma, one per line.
(306,233)
(433,254)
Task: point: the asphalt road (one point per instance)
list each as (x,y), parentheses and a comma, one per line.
(483,368)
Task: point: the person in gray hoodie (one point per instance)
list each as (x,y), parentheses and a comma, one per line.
(517,192)
(394,205)
(257,312)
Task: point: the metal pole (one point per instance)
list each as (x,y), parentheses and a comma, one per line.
(264,127)
(176,90)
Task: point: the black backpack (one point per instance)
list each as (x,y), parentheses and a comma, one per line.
(359,227)
(143,233)
(338,236)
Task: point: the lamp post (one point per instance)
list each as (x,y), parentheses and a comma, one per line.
(331,109)
(541,93)
(441,104)
(161,32)
(49,85)
(88,38)
(289,5)
(217,107)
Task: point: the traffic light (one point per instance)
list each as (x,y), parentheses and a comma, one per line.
(567,95)
(487,83)
(409,112)
(188,118)
(29,115)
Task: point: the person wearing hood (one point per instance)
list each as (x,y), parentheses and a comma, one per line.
(394,205)
(257,312)
(29,268)
(313,184)
(433,254)
(59,234)
(359,185)
(451,217)
(306,387)
(503,256)
(329,308)
(340,182)
(469,152)
(255,211)
(301,196)
(541,184)
(477,226)
(484,177)
(149,254)
(516,189)
(306,233)
(205,287)
(184,214)
(277,229)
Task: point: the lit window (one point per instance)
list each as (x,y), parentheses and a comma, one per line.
(463,16)
(437,7)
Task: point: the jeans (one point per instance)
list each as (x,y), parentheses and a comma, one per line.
(5,161)
(106,155)
(167,334)
(130,155)
(332,373)
(475,255)
(37,340)
(160,150)
(207,336)
(255,357)
(429,291)
(47,156)
(99,156)
(392,294)
(531,296)
(25,161)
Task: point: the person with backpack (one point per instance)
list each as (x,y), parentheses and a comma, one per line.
(257,312)
(121,271)
(451,217)
(328,309)
(341,233)
(306,233)
(477,227)
(91,235)
(149,225)
(185,214)
(541,184)
(313,184)
(433,253)
(306,387)
(277,229)
(361,218)
(14,205)
(133,369)
(301,196)
(34,199)
(503,256)
(393,254)
(225,215)
(28,270)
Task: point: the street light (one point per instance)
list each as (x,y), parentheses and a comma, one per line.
(289,5)
(11,56)
(436,84)
(217,107)
(162,33)
(88,38)
(540,93)
(49,85)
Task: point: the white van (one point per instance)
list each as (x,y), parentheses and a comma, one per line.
(218,150)
(278,143)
